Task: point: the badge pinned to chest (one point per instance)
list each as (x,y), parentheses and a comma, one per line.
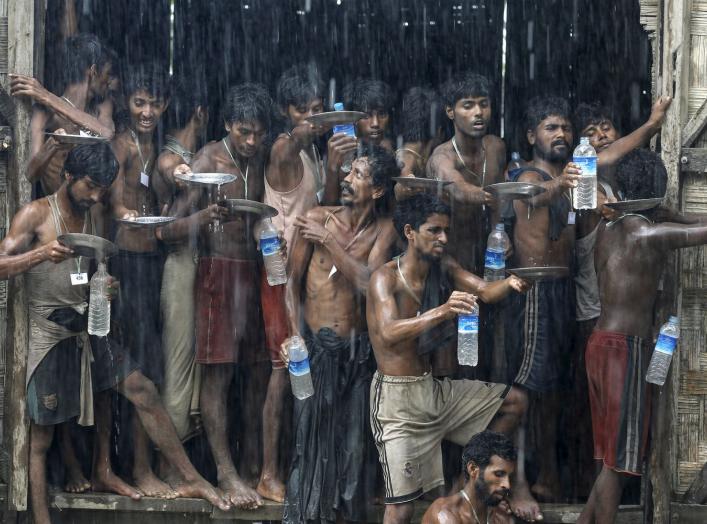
(79,279)
(144,179)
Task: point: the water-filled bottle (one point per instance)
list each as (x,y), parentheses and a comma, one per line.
(300,375)
(515,165)
(584,196)
(495,258)
(663,352)
(468,338)
(272,258)
(99,305)
(348,129)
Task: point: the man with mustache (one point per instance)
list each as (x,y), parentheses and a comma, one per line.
(334,253)
(489,461)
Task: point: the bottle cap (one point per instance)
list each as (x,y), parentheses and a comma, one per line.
(515,155)
(584,140)
(338,106)
(500,227)
(673,320)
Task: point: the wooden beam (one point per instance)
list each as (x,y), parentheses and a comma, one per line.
(688,514)
(697,492)
(695,126)
(694,159)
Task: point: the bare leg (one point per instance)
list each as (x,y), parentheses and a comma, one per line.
(76,482)
(214,390)
(605,498)
(398,513)
(143,395)
(40,440)
(270,485)
(145,480)
(250,434)
(102,477)
(547,409)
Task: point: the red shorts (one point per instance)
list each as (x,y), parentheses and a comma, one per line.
(228,321)
(620,399)
(272,299)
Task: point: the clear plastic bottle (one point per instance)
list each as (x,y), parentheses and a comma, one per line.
(348,129)
(468,338)
(515,165)
(495,259)
(300,375)
(584,196)
(272,259)
(663,352)
(99,305)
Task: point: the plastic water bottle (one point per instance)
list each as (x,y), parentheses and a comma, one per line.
(495,259)
(272,259)
(468,338)
(300,376)
(515,165)
(348,129)
(663,352)
(584,196)
(99,305)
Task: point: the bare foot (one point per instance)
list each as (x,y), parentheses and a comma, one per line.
(524,505)
(271,489)
(151,486)
(169,474)
(238,493)
(201,489)
(109,482)
(76,482)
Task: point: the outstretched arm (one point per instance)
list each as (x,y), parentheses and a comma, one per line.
(441,167)
(117,206)
(297,265)
(668,235)
(488,292)
(339,147)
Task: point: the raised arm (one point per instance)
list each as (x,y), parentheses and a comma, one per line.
(668,235)
(441,166)
(283,167)
(488,292)
(339,147)
(297,265)
(42,149)
(117,206)
(554,188)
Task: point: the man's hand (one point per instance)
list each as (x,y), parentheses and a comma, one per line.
(130,214)
(181,169)
(339,147)
(212,213)
(284,349)
(570,175)
(56,252)
(312,230)
(518,284)
(21,85)
(660,107)
(112,288)
(459,303)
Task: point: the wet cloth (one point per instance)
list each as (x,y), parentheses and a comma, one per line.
(333,447)
(228,318)
(588,305)
(272,299)
(136,323)
(539,335)
(410,416)
(620,399)
(558,208)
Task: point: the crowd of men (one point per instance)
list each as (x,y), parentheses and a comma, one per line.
(377,275)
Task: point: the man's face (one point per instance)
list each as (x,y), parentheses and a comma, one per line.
(551,139)
(430,241)
(145,110)
(372,128)
(246,137)
(493,483)
(471,115)
(297,114)
(601,135)
(100,82)
(357,188)
(84,192)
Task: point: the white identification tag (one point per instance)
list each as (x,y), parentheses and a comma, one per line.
(144,179)
(84,133)
(571,217)
(78,279)
(333,270)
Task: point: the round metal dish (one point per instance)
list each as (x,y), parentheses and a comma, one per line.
(241,205)
(540,273)
(336,118)
(429,184)
(635,205)
(76,139)
(206,179)
(146,221)
(89,246)
(514,190)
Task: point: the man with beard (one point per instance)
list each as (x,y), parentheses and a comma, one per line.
(489,461)
(412,305)
(335,250)
(64,365)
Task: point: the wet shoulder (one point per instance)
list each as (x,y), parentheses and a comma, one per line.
(204,160)
(319,213)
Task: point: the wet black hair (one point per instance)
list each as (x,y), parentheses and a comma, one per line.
(95,161)
(149,76)
(187,96)
(299,85)
(416,210)
(463,85)
(80,53)
(368,95)
(382,166)
(641,174)
(541,107)
(590,114)
(249,102)
(422,114)
(482,446)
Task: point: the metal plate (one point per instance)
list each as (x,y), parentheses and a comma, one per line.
(429,184)
(77,139)
(146,221)
(89,246)
(206,179)
(515,190)
(635,205)
(336,118)
(540,273)
(241,205)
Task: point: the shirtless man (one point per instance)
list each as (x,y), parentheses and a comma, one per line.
(138,265)
(57,295)
(538,338)
(630,257)
(412,305)
(87,73)
(335,250)
(228,320)
(489,461)
(374,98)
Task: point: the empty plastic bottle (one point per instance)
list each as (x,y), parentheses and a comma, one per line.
(515,165)
(495,259)
(272,258)
(584,196)
(663,352)
(348,129)
(468,338)
(99,305)
(300,375)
